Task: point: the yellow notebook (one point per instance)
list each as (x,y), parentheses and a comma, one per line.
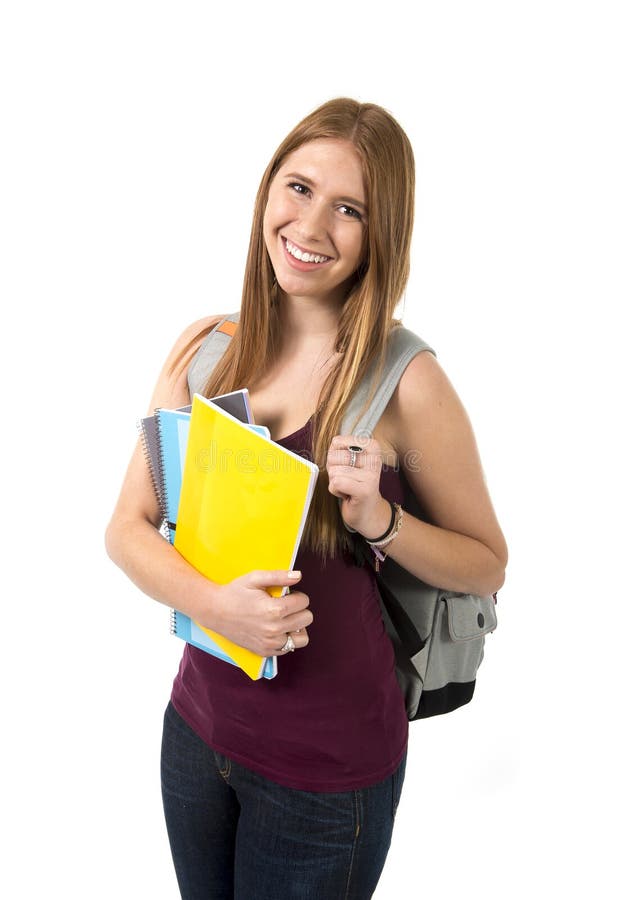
(243,506)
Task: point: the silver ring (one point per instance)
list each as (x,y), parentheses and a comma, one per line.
(289,646)
(354,450)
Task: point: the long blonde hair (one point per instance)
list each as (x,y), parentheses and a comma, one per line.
(367,314)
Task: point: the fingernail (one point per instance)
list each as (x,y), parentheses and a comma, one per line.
(294,574)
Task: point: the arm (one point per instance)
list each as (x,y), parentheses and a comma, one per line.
(463,549)
(241,610)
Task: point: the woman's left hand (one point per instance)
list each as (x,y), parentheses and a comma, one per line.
(362,506)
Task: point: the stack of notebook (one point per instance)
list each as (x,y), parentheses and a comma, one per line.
(232,501)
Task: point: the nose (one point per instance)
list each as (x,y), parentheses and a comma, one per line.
(312,224)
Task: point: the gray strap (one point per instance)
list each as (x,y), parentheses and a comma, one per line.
(402,346)
(208,354)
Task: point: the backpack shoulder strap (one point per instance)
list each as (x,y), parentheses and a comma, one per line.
(402,346)
(210,351)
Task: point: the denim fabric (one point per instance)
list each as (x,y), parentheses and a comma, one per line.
(235,834)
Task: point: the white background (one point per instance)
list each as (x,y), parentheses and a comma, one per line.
(134,137)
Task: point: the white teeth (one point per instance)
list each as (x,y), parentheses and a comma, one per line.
(304,257)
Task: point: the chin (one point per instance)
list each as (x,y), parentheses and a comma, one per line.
(295,286)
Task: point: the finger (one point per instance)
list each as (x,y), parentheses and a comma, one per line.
(343,466)
(300,640)
(361,444)
(292,603)
(344,440)
(265,578)
(297,621)
(342,457)
(349,485)
(336,493)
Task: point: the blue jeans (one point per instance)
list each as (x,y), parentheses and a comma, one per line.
(234,834)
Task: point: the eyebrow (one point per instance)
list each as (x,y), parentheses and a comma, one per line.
(350,200)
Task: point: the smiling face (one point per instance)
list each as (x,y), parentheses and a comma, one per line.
(315,221)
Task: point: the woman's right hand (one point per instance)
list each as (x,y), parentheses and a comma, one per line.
(247,614)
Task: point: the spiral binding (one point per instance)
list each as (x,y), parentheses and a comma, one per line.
(149,461)
(162,481)
(173,621)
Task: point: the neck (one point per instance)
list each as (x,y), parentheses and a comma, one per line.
(308,322)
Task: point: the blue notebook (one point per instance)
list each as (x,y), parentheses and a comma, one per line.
(172,436)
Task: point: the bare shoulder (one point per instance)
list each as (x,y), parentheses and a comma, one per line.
(424,403)
(191,337)
(171,389)
(423,371)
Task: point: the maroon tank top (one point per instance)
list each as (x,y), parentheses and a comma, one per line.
(333,719)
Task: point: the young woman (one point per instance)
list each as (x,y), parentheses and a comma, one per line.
(289,787)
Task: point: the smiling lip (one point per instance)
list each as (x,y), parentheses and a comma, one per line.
(300,263)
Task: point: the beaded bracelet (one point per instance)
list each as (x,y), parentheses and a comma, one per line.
(379,546)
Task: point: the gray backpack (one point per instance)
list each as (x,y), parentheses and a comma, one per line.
(438,636)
